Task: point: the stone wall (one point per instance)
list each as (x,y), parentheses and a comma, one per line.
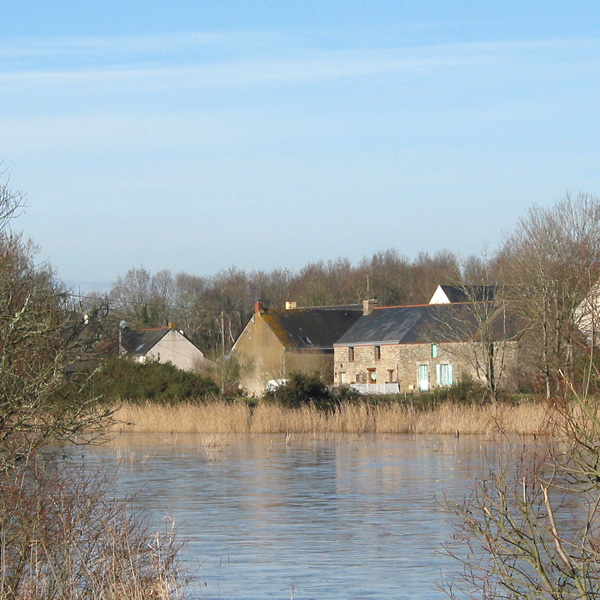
(260,353)
(310,362)
(262,358)
(400,363)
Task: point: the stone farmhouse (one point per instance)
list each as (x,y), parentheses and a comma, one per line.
(407,349)
(163,344)
(277,342)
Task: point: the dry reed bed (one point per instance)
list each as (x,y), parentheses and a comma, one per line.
(222,417)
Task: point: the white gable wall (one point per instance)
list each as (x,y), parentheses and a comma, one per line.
(176,349)
(439,296)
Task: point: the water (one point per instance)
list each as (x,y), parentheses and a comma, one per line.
(338,517)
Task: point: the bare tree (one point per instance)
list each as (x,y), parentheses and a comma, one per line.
(131,296)
(62,535)
(494,337)
(272,288)
(162,298)
(311,285)
(144,299)
(387,277)
(493,327)
(530,528)
(430,271)
(189,292)
(11,202)
(41,335)
(551,262)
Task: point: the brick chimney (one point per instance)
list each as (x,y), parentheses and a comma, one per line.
(369,305)
(258,306)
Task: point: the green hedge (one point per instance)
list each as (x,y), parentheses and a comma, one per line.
(120,378)
(300,389)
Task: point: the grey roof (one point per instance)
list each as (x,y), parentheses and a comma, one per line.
(140,341)
(311,328)
(428,323)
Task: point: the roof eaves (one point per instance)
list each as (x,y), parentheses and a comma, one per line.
(374,343)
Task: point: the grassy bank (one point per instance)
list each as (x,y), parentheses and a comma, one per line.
(223,417)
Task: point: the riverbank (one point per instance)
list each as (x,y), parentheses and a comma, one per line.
(222,417)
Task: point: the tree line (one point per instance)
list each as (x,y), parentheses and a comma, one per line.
(544,268)
(213,310)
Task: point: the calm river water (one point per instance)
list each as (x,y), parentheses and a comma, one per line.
(334,517)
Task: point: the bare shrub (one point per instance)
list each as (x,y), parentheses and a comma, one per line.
(531,527)
(62,535)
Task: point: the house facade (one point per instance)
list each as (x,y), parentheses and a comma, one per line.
(163,344)
(587,316)
(277,342)
(409,349)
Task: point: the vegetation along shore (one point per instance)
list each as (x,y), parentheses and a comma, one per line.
(526,418)
(72,369)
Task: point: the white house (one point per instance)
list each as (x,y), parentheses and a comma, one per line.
(163,344)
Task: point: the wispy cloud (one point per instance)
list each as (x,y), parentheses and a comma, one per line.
(244,72)
(148,63)
(126,48)
(223,123)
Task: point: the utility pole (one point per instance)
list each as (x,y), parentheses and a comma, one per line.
(122,325)
(223,333)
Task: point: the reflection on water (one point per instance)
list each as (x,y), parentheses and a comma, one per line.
(328,517)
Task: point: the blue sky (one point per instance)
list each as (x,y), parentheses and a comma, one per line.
(193,136)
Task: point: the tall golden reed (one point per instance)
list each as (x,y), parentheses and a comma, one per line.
(223,417)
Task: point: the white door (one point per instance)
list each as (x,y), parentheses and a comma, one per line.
(423,378)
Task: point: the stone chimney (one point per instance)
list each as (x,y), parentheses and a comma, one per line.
(258,306)
(369,305)
(171,325)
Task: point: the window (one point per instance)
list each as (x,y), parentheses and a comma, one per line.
(377,352)
(390,375)
(342,377)
(433,350)
(444,374)
(350,354)
(423,378)
(371,376)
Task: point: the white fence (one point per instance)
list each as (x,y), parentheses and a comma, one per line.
(376,388)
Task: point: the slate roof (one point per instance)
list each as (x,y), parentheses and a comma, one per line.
(428,323)
(311,328)
(139,341)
